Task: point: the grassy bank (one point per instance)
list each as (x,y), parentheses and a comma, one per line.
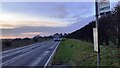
(81,53)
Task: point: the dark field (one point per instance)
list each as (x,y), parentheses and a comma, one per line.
(8,44)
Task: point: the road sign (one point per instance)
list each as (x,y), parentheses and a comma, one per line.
(95,36)
(104,6)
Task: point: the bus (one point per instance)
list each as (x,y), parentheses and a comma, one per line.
(56,37)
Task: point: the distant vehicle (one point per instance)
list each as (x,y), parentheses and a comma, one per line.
(56,37)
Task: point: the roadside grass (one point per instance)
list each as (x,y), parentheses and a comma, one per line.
(80,53)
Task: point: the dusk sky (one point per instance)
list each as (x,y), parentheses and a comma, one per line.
(27,19)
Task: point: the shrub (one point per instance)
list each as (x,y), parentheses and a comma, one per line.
(7,43)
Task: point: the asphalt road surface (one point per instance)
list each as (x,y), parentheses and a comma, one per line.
(32,55)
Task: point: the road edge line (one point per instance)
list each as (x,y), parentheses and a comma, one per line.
(51,55)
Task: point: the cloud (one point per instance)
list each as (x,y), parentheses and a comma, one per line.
(48,19)
(16,16)
(6,26)
(15,24)
(73,12)
(30,31)
(23,35)
(60,11)
(14,20)
(53,0)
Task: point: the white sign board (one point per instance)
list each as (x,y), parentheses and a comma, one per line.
(95,37)
(104,6)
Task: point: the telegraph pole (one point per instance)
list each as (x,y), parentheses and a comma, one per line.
(97,15)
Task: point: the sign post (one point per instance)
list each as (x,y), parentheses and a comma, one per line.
(101,7)
(97,48)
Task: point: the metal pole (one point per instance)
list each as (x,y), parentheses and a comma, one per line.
(97,14)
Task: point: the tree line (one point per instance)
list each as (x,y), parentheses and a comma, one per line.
(24,41)
(109,29)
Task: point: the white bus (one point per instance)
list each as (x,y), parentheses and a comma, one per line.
(56,37)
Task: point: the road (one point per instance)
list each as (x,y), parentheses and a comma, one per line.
(33,55)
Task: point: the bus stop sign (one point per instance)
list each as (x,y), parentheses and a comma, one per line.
(104,6)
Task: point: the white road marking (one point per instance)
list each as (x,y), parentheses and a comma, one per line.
(51,55)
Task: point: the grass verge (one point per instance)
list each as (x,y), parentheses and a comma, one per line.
(80,53)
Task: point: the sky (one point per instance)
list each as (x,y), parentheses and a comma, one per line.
(27,19)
